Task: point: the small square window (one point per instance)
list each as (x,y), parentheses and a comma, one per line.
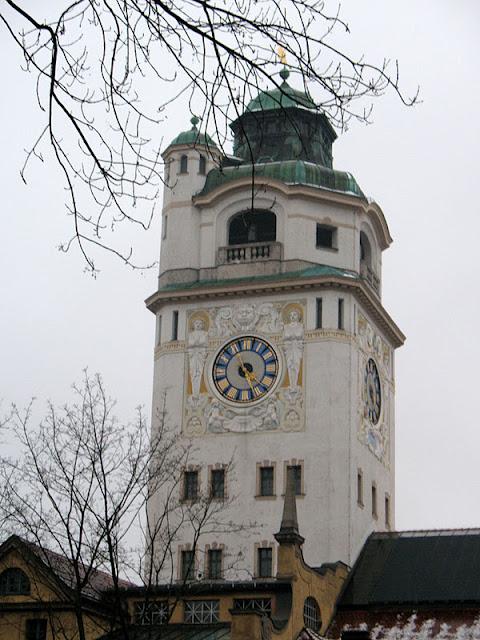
(214,564)
(267,481)
(265,557)
(188,565)
(217,486)
(326,236)
(190,485)
(36,629)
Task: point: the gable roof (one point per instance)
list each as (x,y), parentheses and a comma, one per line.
(415,567)
(61,568)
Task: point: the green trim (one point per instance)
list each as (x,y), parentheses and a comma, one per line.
(193,137)
(281,98)
(289,172)
(310,272)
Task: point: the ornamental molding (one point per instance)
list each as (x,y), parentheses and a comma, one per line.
(177,346)
(208,329)
(357,287)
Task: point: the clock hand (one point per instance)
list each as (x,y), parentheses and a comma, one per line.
(246,372)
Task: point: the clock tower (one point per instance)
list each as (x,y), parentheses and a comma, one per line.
(274,354)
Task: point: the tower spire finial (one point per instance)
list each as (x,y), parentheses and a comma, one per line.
(289,533)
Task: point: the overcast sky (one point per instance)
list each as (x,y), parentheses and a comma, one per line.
(420,164)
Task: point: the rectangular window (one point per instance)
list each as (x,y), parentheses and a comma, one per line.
(340,314)
(201,611)
(265,562)
(319,314)
(190,485)
(387,511)
(150,612)
(159,329)
(374,501)
(214,564)
(326,236)
(217,483)
(202,165)
(267,481)
(261,605)
(36,629)
(164,226)
(175,325)
(296,471)
(188,565)
(359,488)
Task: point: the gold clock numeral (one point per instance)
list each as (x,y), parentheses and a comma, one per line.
(223,384)
(245,395)
(232,393)
(271,368)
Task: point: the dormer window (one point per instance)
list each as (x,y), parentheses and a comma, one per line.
(326,236)
(14,582)
(202,165)
(252,226)
(183,164)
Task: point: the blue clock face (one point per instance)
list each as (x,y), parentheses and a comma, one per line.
(373,392)
(245,370)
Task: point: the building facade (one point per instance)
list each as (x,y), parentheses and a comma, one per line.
(274,354)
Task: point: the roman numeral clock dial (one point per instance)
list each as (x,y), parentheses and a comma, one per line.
(245,370)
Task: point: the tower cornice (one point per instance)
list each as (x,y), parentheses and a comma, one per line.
(207,290)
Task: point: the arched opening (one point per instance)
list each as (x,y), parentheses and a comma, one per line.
(183,164)
(252,226)
(202,165)
(365,251)
(14,582)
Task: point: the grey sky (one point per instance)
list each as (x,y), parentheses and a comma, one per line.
(420,165)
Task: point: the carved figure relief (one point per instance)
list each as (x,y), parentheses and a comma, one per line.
(375,386)
(197,344)
(293,334)
(213,407)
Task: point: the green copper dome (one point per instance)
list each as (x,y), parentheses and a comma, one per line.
(193,136)
(281,97)
(290,172)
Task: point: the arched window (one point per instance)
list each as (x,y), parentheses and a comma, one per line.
(252,226)
(311,614)
(184,164)
(202,165)
(14,582)
(365,250)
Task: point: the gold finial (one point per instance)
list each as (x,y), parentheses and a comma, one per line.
(282,55)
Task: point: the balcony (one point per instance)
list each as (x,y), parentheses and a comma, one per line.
(368,274)
(246,253)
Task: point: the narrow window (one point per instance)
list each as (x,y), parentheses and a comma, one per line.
(164,226)
(188,565)
(326,236)
(266,481)
(319,314)
(360,488)
(202,165)
(175,325)
(190,485)
(387,511)
(217,483)
(340,314)
(265,562)
(214,564)
(159,329)
(374,501)
(36,629)
(167,172)
(296,471)
(183,164)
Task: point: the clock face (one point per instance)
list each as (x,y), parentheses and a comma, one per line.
(373,392)
(245,369)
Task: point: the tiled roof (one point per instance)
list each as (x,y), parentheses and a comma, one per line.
(415,567)
(62,568)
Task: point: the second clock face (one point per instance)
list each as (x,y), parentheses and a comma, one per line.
(245,369)
(373,392)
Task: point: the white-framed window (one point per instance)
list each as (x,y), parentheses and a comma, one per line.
(201,611)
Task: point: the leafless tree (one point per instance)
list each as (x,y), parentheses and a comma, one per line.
(107,72)
(80,485)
